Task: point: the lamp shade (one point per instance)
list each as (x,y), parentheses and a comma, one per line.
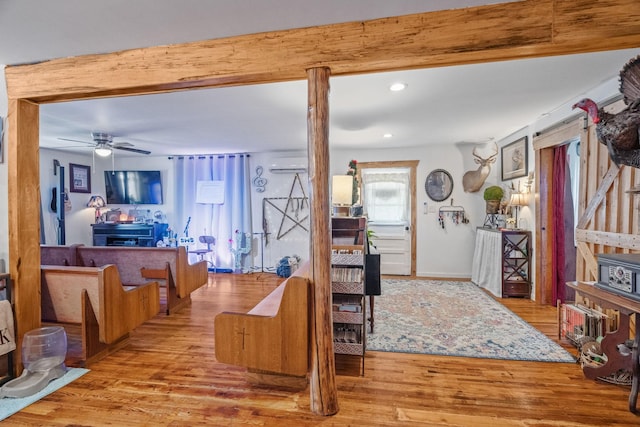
(102,150)
(517,199)
(342,190)
(96,202)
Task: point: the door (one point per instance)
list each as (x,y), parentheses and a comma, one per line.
(393,242)
(386,198)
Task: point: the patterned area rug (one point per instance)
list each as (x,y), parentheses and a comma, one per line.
(454,319)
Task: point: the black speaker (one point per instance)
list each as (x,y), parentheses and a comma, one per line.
(372,274)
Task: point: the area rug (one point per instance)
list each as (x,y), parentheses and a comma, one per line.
(9,405)
(455,319)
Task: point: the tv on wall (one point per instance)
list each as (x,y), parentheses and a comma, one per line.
(133,187)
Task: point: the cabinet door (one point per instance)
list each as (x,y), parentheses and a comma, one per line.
(516,263)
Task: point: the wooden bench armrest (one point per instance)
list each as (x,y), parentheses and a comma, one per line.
(189,276)
(273,336)
(270,304)
(118,311)
(121,311)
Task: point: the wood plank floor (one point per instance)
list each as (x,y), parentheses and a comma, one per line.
(168,376)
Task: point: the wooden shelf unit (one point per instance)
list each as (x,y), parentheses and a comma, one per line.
(348,287)
(516,263)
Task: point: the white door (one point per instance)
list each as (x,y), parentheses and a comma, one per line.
(393,242)
(387,201)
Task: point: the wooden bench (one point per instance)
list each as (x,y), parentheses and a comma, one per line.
(137,265)
(59,254)
(273,337)
(95,298)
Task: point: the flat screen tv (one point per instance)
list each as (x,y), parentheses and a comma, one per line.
(133,187)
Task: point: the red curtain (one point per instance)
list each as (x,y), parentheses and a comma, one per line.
(564,251)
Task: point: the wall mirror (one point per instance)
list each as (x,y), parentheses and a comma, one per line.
(438,185)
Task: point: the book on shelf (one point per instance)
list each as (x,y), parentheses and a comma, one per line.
(343,274)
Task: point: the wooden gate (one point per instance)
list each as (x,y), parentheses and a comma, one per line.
(607,206)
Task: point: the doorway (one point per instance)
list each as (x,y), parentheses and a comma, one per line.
(388,198)
(558,172)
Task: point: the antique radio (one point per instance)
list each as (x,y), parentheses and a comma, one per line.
(619,273)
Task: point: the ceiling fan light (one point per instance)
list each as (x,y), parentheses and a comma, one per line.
(103,151)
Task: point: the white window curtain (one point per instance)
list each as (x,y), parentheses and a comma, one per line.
(225,221)
(386,194)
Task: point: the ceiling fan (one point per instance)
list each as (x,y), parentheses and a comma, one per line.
(103,144)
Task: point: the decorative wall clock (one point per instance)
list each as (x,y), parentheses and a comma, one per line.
(438,185)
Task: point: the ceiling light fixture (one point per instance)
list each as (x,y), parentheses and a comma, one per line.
(102,151)
(387,135)
(396,87)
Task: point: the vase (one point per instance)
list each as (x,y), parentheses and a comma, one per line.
(493,206)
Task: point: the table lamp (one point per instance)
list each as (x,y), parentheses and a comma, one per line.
(96,202)
(341,194)
(517,200)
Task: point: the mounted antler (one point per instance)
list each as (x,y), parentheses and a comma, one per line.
(472,180)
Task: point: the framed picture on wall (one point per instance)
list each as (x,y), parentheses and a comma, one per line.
(513,159)
(79,178)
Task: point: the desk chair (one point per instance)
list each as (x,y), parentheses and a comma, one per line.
(210,241)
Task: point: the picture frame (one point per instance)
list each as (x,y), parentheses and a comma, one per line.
(112,216)
(438,185)
(79,178)
(514,161)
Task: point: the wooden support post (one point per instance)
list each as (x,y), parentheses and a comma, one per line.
(324,394)
(24,231)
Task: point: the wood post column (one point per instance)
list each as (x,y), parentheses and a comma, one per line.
(324,395)
(24,227)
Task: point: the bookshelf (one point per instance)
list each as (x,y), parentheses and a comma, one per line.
(348,286)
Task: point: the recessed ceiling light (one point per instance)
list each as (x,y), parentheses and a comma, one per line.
(396,87)
(387,135)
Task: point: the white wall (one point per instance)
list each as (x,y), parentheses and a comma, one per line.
(79,219)
(294,240)
(440,252)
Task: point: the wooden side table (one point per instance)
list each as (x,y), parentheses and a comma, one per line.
(609,344)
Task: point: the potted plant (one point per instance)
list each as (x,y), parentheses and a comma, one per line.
(493,195)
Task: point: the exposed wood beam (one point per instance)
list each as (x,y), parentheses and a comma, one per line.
(324,393)
(522,29)
(591,263)
(607,238)
(24,226)
(598,198)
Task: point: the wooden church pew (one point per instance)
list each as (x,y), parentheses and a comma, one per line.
(173,301)
(95,298)
(273,337)
(135,264)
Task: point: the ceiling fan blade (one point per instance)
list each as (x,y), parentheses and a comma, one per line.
(121,144)
(61,147)
(76,140)
(134,150)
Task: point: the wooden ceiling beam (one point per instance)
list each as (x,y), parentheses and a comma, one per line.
(529,28)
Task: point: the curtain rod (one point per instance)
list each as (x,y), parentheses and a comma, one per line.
(211,156)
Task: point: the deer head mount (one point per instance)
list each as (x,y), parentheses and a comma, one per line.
(472,181)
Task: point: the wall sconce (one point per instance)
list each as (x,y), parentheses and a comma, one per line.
(528,183)
(341,194)
(517,200)
(96,202)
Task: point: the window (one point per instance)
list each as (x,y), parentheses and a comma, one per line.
(386,194)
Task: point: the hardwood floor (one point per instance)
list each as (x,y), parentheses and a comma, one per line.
(168,376)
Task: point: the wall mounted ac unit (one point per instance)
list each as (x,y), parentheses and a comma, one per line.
(289,165)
